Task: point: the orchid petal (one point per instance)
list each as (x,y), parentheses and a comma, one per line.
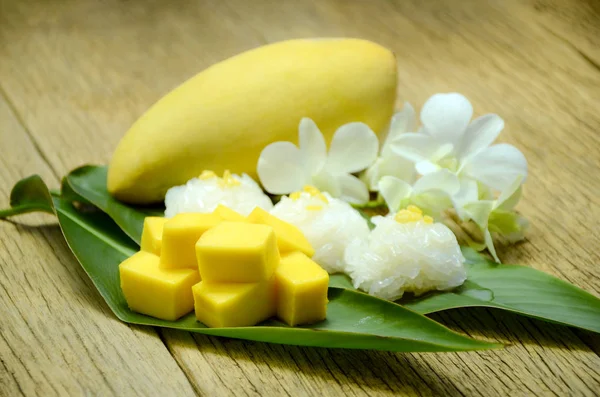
(414,146)
(505,222)
(373,174)
(509,198)
(479,212)
(353,190)
(393,191)
(467,193)
(446,116)
(426,167)
(398,167)
(510,225)
(327,182)
(402,122)
(280,168)
(497,166)
(432,202)
(312,146)
(389,166)
(484,192)
(442,180)
(489,242)
(480,134)
(442,151)
(353,148)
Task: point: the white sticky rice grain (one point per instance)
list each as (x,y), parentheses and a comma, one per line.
(204,195)
(405,257)
(329,226)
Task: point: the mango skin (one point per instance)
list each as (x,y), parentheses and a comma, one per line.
(224,116)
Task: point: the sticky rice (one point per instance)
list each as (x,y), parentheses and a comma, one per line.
(203,194)
(328,223)
(404,254)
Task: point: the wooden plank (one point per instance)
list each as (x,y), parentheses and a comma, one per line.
(57,336)
(79,73)
(576,25)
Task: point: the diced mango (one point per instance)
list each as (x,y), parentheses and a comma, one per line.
(152,234)
(227,214)
(233,252)
(289,237)
(235,304)
(161,293)
(301,290)
(180,235)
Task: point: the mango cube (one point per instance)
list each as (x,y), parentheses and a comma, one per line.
(289,237)
(161,293)
(227,214)
(152,234)
(234,304)
(237,253)
(179,238)
(301,290)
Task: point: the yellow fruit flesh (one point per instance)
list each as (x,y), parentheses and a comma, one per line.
(237,253)
(223,117)
(301,290)
(234,305)
(152,234)
(156,292)
(289,237)
(245,281)
(180,235)
(227,214)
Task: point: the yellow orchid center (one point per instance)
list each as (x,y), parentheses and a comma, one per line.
(412,213)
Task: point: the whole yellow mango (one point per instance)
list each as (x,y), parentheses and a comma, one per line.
(223,117)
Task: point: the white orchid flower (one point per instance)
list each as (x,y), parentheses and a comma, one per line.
(284,168)
(431,192)
(449,140)
(389,163)
(498,216)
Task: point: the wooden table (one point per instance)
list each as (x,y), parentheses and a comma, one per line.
(75,74)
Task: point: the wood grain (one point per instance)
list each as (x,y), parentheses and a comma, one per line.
(57,336)
(78,73)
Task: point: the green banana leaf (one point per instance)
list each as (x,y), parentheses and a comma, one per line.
(354,320)
(89,182)
(28,195)
(518,289)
